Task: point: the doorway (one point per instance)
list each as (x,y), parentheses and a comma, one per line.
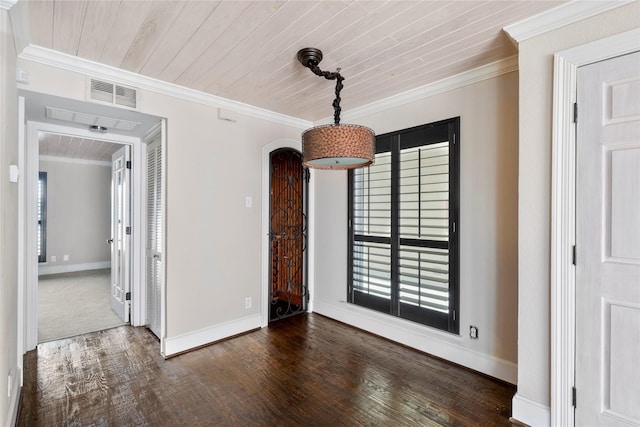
(74,232)
(288,234)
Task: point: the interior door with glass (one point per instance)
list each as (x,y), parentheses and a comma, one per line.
(121,232)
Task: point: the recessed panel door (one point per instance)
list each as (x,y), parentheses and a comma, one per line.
(608,244)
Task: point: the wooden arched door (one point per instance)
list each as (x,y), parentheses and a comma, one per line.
(288,292)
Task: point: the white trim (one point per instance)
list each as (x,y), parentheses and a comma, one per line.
(437,343)
(191,340)
(72,160)
(563,321)
(457,81)
(7,4)
(116,75)
(15,391)
(163,208)
(557,17)
(530,412)
(22,138)
(264,279)
(46,268)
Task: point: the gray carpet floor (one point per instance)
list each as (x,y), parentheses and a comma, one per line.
(71,304)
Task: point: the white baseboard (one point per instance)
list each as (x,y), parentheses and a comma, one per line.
(434,342)
(530,412)
(12,410)
(191,340)
(69,268)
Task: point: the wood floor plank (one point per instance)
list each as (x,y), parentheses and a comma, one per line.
(305,370)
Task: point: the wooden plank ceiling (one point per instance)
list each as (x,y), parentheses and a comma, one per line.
(246,51)
(69,147)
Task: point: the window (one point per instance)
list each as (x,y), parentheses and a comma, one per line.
(403,231)
(42,217)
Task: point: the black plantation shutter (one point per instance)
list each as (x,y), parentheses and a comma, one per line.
(403,209)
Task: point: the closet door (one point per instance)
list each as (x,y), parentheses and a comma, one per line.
(154,235)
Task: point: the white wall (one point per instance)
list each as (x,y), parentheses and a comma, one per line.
(534,221)
(9,364)
(78,213)
(213,241)
(488,113)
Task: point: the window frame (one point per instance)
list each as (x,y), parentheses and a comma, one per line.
(394,142)
(42,215)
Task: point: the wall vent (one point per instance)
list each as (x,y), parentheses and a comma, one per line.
(111,93)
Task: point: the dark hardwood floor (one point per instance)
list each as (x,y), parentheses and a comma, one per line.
(305,370)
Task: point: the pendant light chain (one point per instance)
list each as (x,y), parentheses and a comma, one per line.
(313,66)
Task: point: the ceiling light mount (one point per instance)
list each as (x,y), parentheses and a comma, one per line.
(97,129)
(309,55)
(334,146)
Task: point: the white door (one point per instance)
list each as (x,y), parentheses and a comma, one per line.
(607,376)
(121,232)
(154,235)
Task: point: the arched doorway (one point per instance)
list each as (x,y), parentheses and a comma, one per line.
(288,290)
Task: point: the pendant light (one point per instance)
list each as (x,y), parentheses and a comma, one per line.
(335,146)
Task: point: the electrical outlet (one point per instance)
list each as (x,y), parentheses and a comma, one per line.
(473,332)
(65,257)
(247,302)
(53,258)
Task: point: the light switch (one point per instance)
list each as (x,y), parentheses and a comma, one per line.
(248,202)
(14,173)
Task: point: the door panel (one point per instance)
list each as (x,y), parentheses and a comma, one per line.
(288,233)
(120,240)
(608,243)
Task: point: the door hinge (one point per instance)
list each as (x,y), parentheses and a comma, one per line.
(575,112)
(573,396)
(573,255)
(128,164)
(127,230)
(127,296)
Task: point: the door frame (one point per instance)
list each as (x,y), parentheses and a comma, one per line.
(266,189)
(563,211)
(28,188)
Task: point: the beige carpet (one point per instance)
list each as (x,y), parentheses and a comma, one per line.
(71,304)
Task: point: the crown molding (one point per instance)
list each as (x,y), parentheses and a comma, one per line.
(557,17)
(7,4)
(116,75)
(74,160)
(476,75)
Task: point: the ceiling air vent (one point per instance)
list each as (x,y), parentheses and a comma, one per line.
(112,93)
